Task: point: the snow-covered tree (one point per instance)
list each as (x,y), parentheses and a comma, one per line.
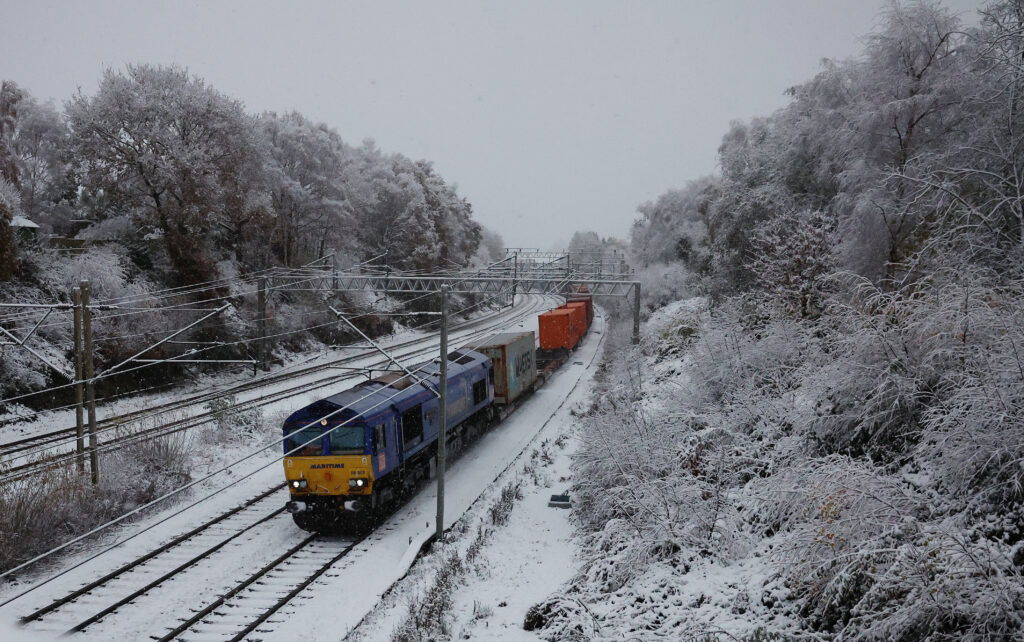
(10,98)
(305,178)
(8,248)
(791,256)
(40,143)
(164,148)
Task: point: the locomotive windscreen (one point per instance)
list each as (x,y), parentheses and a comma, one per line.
(346,440)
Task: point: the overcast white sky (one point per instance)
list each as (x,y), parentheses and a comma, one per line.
(549,116)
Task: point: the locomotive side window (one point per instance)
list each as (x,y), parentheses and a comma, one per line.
(479,392)
(412,426)
(380,440)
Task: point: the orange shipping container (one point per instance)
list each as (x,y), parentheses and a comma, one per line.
(586,298)
(555,328)
(583,306)
(578,323)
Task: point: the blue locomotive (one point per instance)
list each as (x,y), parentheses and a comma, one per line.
(362,448)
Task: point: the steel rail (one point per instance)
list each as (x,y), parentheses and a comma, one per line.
(263,617)
(74,595)
(81,626)
(198,617)
(109,423)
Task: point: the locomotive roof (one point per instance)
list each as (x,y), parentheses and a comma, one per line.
(372,397)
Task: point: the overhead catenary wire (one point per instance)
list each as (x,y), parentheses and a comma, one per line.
(232,343)
(132,439)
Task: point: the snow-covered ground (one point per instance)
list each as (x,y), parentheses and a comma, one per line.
(340,599)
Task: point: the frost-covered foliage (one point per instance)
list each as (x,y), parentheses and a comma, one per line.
(59,504)
(663,283)
(157,181)
(832,447)
(9,202)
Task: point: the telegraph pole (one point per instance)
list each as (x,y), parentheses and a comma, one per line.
(261,322)
(636,313)
(76,299)
(334,270)
(515,277)
(442,439)
(90,385)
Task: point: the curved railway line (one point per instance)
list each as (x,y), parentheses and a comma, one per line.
(36,453)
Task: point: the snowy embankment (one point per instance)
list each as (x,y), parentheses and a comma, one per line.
(660,557)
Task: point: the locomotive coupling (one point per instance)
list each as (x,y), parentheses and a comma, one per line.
(296,507)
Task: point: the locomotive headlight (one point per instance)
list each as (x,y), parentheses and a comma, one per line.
(358,483)
(300,484)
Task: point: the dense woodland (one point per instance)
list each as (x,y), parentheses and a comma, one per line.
(158,181)
(841,401)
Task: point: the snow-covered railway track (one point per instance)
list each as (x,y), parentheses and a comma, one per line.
(34,456)
(122,586)
(254,600)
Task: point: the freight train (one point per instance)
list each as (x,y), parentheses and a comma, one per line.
(362,449)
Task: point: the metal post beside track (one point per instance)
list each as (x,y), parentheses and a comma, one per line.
(90,384)
(515,277)
(76,299)
(442,439)
(261,322)
(636,313)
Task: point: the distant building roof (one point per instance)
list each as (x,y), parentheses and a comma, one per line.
(21,221)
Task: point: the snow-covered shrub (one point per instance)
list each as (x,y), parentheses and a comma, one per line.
(791,257)
(58,504)
(502,507)
(429,617)
(839,518)
(663,283)
(232,423)
(562,617)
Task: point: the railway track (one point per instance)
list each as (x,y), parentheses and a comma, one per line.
(254,600)
(36,453)
(129,582)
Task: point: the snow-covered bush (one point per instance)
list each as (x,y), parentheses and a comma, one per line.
(663,283)
(50,508)
(9,203)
